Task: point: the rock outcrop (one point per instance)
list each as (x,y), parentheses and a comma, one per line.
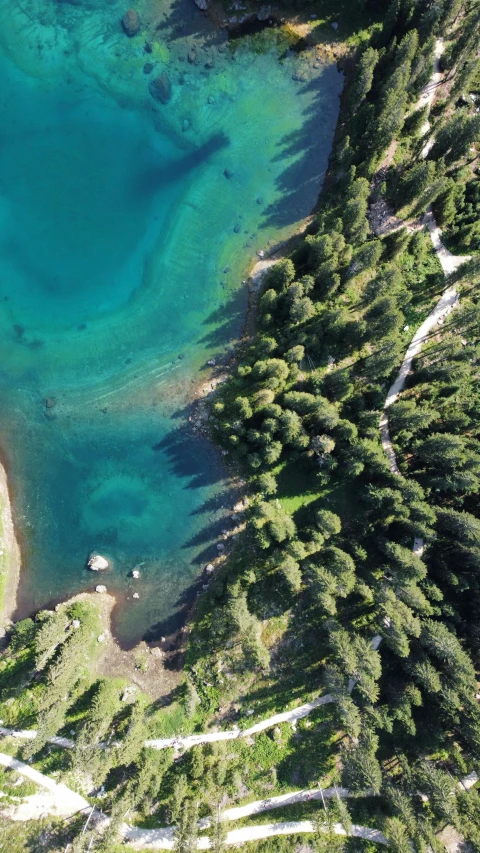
(131,23)
(97,563)
(160,88)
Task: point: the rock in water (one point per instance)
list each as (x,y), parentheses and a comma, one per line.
(97,563)
(100,588)
(135,574)
(160,88)
(202,4)
(263,13)
(131,23)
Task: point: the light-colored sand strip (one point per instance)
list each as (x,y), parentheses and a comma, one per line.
(150,840)
(450,263)
(31,734)
(187,741)
(9,556)
(58,800)
(446,303)
(259,806)
(429,91)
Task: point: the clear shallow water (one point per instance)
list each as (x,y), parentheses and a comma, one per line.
(116,228)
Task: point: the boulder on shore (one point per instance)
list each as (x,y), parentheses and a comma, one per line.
(160,88)
(131,23)
(100,588)
(97,563)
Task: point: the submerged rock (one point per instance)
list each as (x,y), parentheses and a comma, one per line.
(97,563)
(263,13)
(301,75)
(148,67)
(228,173)
(131,23)
(50,402)
(160,88)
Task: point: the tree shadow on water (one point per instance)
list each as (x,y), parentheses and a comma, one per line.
(301,181)
(185,460)
(185,20)
(168,171)
(226,321)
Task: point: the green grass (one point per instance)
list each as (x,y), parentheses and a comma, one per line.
(297,486)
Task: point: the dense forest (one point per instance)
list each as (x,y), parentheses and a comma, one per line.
(324,558)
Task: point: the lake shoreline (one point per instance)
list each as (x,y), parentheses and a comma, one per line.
(10,575)
(198,396)
(16,579)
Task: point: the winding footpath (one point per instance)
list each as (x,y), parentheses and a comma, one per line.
(181,742)
(152,840)
(59,800)
(449,263)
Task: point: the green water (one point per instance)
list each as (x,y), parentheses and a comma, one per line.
(122,251)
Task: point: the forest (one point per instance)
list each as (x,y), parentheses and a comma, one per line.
(325,559)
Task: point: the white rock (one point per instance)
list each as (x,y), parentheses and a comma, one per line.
(162,639)
(101,638)
(100,588)
(220,547)
(135,574)
(209,569)
(76,623)
(97,563)
(211,362)
(135,595)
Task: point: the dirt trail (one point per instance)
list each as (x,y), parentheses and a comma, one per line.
(449,263)
(57,799)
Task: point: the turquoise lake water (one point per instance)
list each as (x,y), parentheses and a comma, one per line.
(122,251)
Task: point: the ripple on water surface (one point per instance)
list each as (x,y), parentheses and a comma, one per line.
(123,240)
